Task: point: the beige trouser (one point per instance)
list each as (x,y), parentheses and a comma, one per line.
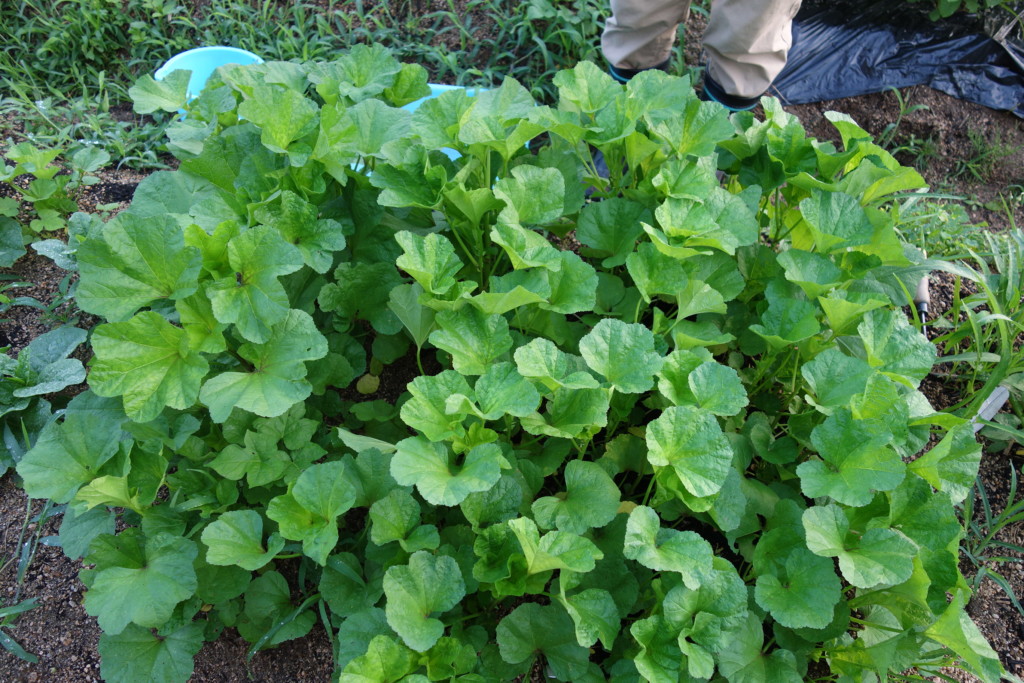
(746,40)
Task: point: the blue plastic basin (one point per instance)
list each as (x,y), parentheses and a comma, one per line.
(203,61)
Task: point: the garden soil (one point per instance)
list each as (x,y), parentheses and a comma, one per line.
(64,637)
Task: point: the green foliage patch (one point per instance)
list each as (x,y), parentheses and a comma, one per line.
(687,448)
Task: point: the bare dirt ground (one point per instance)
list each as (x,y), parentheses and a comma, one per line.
(946,136)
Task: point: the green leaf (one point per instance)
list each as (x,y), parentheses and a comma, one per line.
(68,455)
(667,550)
(525,248)
(836,221)
(404,302)
(277,380)
(814,273)
(168,94)
(474,339)
(595,616)
(631,373)
(299,224)
(955,630)
(717,388)
(396,517)
(573,285)
(134,262)
(426,585)
(878,556)
(428,466)
(805,596)
(690,440)
(570,413)
(659,659)
(385,660)
(357,74)
(787,322)
(694,128)
(611,228)
(12,246)
(895,347)
(655,273)
(541,359)
(430,260)
(586,87)
(533,629)
(282,114)
(236,538)
(343,586)
(555,550)
(258,460)
(426,411)
(147,361)
(144,592)
(744,661)
(309,512)
(268,604)
(362,291)
(591,500)
(856,461)
(835,378)
(532,196)
(499,391)
(252,298)
(138,654)
(951,466)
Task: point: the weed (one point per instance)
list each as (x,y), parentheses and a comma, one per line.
(987,155)
(888,134)
(8,615)
(980,545)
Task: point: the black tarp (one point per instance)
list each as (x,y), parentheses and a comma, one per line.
(844,49)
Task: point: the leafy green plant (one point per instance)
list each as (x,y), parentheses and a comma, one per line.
(8,615)
(50,194)
(691,449)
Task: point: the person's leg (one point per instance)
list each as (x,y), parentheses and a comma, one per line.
(747,42)
(640,34)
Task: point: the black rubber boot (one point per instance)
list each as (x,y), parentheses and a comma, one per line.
(713,92)
(623,75)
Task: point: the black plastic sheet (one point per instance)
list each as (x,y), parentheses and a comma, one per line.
(844,49)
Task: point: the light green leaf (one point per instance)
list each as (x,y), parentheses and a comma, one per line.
(591,500)
(148,362)
(955,630)
(299,224)
(586,87)
(787,322)
(717,388)
(573,285)
(570,413)
(430,260)
(428,466)
(555,550)
(394,517)
(282,114)
(836,220)
(258,460)
(168,94)
(501,391)
(137,654)
(814,273)
(428,584)
(856,461)
(144,592)
(474,339)
(805,596)
(611,228)
(277,381)
(404,302)
(878,556)
(659,659)
(426,411)
(134,262)
(631,373)
(68,455)
(745,662)
(835,378)
(895,347)
(669,550)
(385,659)
(694,128)
(532,629)
(252,298)
(655,273)
(541,359)
(525,248)
(236,538)
(532,196)
(690,440)
(952,465)
(595,616)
